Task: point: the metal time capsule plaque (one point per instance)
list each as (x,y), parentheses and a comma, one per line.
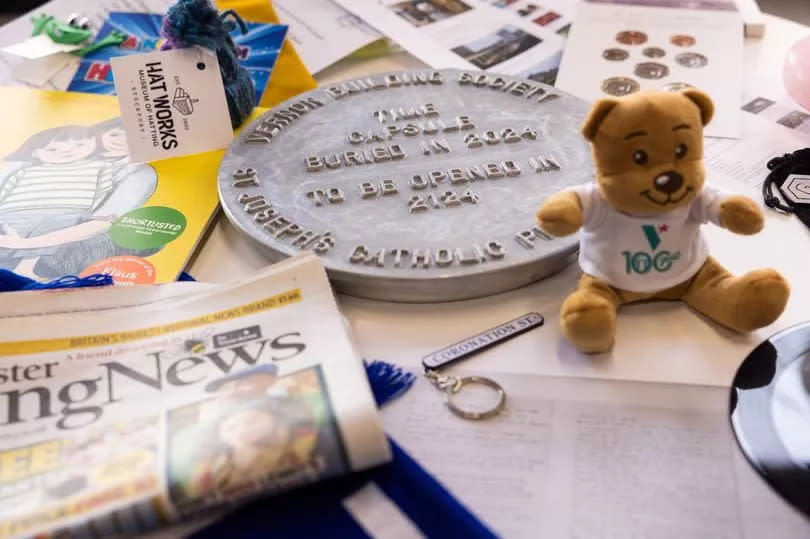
(413,186)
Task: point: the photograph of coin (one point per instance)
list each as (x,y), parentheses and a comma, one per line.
(653,52)
(691,59)
(615,55)
(651,70)
(793,120)
(758,105)
(676,86)
(619,86)
(631,37)
(682,40)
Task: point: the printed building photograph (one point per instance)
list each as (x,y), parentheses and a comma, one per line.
(422,12)
(545,71)
(494,48)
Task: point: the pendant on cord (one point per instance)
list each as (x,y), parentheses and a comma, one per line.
(791,174)
(796,188)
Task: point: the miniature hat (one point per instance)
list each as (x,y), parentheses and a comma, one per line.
(260,369)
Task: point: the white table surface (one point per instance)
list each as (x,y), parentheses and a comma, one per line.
(654,342)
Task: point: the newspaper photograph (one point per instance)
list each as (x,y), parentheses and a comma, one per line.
(124,420)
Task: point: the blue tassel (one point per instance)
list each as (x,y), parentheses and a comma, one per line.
(11,282)
(387,381)
(98,279)
(197,22)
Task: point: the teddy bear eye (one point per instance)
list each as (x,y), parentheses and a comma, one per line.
(640,157)
(680,150)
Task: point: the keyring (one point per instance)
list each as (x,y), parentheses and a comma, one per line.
(466,414)
(452,385)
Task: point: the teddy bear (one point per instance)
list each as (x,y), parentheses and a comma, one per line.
(641,222)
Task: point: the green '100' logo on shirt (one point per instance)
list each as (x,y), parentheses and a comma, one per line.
(641,262)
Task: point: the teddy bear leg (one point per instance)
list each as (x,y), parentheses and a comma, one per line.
(588,315)
(743,303)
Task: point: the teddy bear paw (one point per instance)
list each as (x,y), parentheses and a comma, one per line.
(560,215)
(741,215)
(763,298)
(589,321)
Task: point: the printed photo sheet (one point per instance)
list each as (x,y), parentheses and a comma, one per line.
(572,457)
(616,50)
(555,15)
(465,34)
(772,125)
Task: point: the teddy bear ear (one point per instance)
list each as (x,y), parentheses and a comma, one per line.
(598,112)
(703,101)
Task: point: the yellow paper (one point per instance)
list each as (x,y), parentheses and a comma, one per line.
(66,189)
(290,77)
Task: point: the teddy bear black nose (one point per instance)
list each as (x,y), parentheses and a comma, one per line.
(668,182)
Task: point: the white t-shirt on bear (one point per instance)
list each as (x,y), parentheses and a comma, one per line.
(644,253)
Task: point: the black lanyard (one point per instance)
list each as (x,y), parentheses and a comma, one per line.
(791,174)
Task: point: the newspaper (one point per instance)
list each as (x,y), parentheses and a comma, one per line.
(121,420)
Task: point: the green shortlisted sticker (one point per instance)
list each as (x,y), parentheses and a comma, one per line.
(147,228)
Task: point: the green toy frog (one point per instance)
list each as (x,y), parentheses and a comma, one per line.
(74,32)
(60,32)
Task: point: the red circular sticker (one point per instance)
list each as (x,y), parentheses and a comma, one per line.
(125,270)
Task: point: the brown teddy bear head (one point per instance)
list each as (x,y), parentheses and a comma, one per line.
(648,149)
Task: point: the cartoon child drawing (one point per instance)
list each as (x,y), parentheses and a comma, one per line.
(60,192)
(113,148)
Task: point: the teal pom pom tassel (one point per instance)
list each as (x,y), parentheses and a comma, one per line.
(197,22)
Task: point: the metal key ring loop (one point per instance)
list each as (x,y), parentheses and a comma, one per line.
(467,414)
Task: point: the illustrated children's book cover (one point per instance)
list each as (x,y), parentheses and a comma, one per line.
(257,49)
(71,203)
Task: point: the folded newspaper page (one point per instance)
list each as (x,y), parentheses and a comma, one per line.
(123,419)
